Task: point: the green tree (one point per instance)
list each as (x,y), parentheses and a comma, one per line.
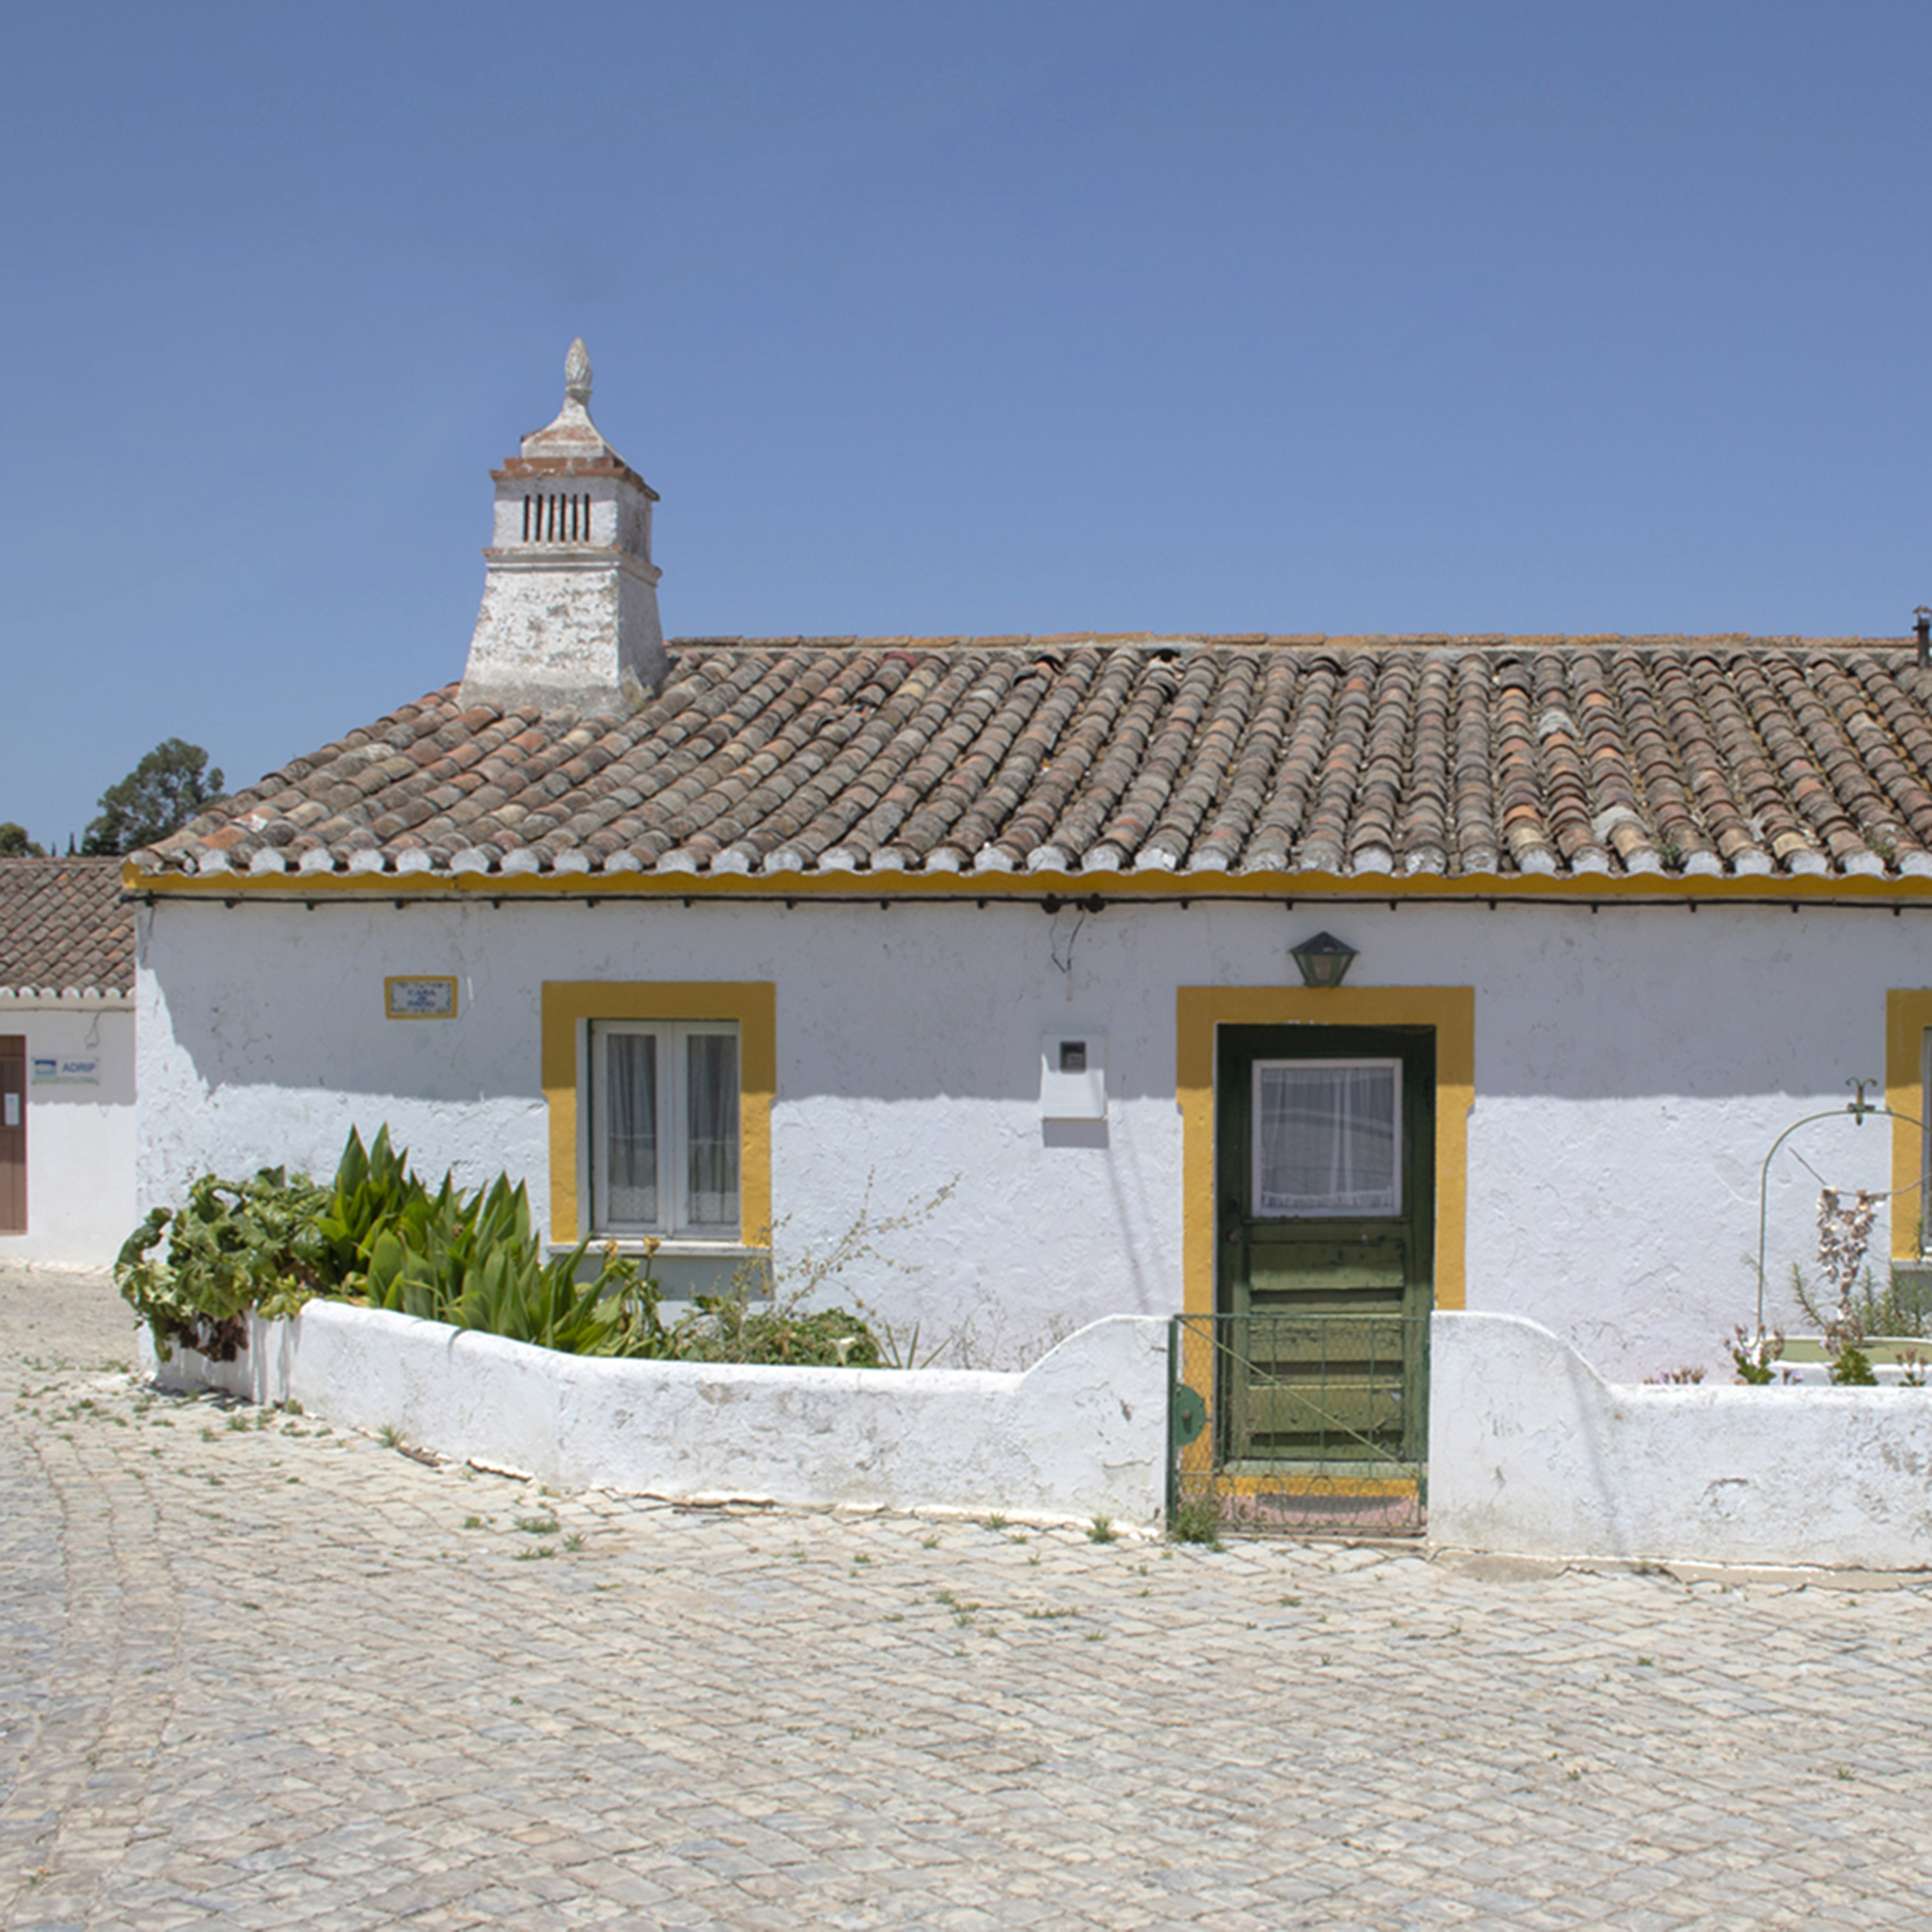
(15,844)
(159,796)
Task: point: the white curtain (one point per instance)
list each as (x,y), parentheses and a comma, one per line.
(1326,1140)
(712,1090)
(631,1071)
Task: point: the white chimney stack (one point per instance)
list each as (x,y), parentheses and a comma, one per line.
(570,605)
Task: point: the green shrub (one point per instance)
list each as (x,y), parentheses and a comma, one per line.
(1890,1309)
(232,1246)
(1851,1367)
(377,1235)
(1755,1355)
(727,1328)
(474,1261)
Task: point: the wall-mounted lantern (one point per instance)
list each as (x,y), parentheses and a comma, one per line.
(1324,961)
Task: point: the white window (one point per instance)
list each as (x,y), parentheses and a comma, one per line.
(1328,1137)
(664,1109)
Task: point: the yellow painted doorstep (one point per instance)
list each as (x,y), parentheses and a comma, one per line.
(1291,1478)
(569,1005)
(1199,1009)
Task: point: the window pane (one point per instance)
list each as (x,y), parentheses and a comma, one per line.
(1326,1140)
(631,1060)
(711,1197)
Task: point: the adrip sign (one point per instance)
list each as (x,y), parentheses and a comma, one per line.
(67,1070)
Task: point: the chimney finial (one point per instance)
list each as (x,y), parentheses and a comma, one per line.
(577,374)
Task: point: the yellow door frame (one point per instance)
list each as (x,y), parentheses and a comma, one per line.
(1199,1009)
(1908,1019)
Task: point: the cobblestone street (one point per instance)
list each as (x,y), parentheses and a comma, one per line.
(259,1673)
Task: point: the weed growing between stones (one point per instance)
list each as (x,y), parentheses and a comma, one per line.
(1196,1519)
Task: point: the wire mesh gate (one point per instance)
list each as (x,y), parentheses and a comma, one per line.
(1300,1424)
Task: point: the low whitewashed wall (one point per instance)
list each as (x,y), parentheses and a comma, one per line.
(1082,1433)
(1531,1451)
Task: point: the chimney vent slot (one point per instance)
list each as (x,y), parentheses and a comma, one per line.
(556,519)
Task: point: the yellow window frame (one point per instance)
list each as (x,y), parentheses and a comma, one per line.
(569,1005)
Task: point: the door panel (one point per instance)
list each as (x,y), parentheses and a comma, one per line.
(13,1133)
(1319,1366)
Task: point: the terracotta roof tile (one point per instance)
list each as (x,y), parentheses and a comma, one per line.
(64,927)
(1472,758)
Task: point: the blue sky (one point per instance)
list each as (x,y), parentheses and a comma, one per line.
(1296,317)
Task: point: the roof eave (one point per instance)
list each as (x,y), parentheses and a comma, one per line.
(1124,886)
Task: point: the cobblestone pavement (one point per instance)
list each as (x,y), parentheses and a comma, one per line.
(260,1673)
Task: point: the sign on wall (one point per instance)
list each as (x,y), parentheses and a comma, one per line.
(67,1069)
(419,996)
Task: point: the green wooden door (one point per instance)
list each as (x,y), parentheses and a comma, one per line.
(1325,1165)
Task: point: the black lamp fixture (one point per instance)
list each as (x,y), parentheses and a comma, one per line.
(1324,961)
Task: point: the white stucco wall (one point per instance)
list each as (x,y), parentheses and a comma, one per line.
(1079,1433)
(1532,1452)
(565,630)
(81,1136)
(1632,1067)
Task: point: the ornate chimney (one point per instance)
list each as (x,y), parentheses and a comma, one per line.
(570,605)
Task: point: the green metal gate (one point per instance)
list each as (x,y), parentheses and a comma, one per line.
(1299,1424)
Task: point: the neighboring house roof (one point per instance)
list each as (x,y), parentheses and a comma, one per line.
(65,927)
(1464,759)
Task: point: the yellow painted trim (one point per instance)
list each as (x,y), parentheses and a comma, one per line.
(569,1005)
(1293,1479)
(1908,1018)
(1650,889)
(1198,1009)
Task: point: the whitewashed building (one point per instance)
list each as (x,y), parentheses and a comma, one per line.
(716,942)
(67,1061)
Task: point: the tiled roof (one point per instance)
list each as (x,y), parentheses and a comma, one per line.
(1468,759)
(64,927)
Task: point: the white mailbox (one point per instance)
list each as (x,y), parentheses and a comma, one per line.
(1074,1075)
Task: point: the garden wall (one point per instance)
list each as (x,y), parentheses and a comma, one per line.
(1082,1433)
(1532,1452)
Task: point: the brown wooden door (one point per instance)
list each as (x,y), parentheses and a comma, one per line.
(13,1133)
